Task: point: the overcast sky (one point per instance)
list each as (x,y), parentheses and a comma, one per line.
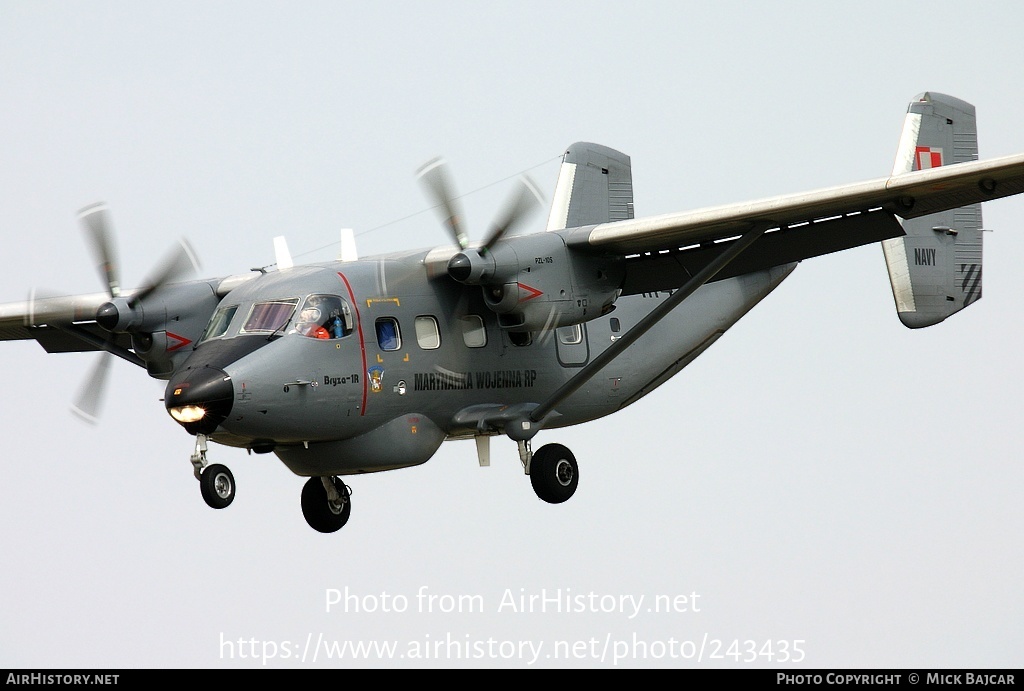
(823,480)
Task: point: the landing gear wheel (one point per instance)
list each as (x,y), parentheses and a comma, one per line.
(320,512)
(217,485)
(554,473)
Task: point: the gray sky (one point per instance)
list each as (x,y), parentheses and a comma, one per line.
(821,475)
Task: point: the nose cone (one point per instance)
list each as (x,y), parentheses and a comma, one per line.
(200,399)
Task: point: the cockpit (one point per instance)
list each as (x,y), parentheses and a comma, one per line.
(324,316)
(320,316)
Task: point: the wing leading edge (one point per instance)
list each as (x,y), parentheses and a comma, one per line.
(662,251)
(910,195)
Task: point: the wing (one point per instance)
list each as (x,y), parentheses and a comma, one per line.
(665,249)
(174,318)
(57,323)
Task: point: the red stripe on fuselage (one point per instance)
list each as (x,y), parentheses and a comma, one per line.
(362,345)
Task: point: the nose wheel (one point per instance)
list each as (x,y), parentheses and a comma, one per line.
(216,483)
(326,503)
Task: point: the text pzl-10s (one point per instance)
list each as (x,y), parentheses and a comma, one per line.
(365,365)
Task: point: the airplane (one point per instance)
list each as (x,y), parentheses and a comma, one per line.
(369,364)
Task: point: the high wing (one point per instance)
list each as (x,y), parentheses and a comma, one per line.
(155,339)
(665,249)
(30,320)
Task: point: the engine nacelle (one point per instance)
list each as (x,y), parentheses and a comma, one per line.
(533,282)
(162,325)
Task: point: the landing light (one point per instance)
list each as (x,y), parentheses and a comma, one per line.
(187,413)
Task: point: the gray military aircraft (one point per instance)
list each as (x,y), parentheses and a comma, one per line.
(365,365)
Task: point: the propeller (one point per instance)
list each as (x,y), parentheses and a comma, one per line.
(436,180)
(524,200)
(90,396)
(120,315)
(96,223)
(474,265)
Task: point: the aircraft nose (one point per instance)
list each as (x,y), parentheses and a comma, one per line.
(200,399)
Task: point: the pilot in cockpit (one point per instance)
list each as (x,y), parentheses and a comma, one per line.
(308,323)
(323,316)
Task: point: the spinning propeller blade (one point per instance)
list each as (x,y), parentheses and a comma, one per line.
(437,182)
(96,222)
(90,396)
(520,205)
(435,179)
(178,263)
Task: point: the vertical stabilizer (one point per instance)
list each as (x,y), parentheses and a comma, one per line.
(595,185)
(935,270)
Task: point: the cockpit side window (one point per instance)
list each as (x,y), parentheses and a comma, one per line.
(269,316)
(324,316)
(218,325)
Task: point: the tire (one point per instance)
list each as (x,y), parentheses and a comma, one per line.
(217,485)
(317,510)
(554,473)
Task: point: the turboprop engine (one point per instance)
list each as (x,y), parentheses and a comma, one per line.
(534,282)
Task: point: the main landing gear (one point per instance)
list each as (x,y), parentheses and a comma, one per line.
(326,503)
(553,471)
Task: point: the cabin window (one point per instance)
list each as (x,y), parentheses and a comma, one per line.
(218,325)
(570,335)
(474,335)
(615,325)
(269,316)
(428,336)
(324,316)
(389,337)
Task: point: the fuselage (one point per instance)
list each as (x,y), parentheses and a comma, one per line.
(361,366)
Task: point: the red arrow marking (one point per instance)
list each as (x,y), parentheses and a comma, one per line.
(181,341)
(533,292)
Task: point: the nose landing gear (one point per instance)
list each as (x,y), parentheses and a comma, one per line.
(216,483)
